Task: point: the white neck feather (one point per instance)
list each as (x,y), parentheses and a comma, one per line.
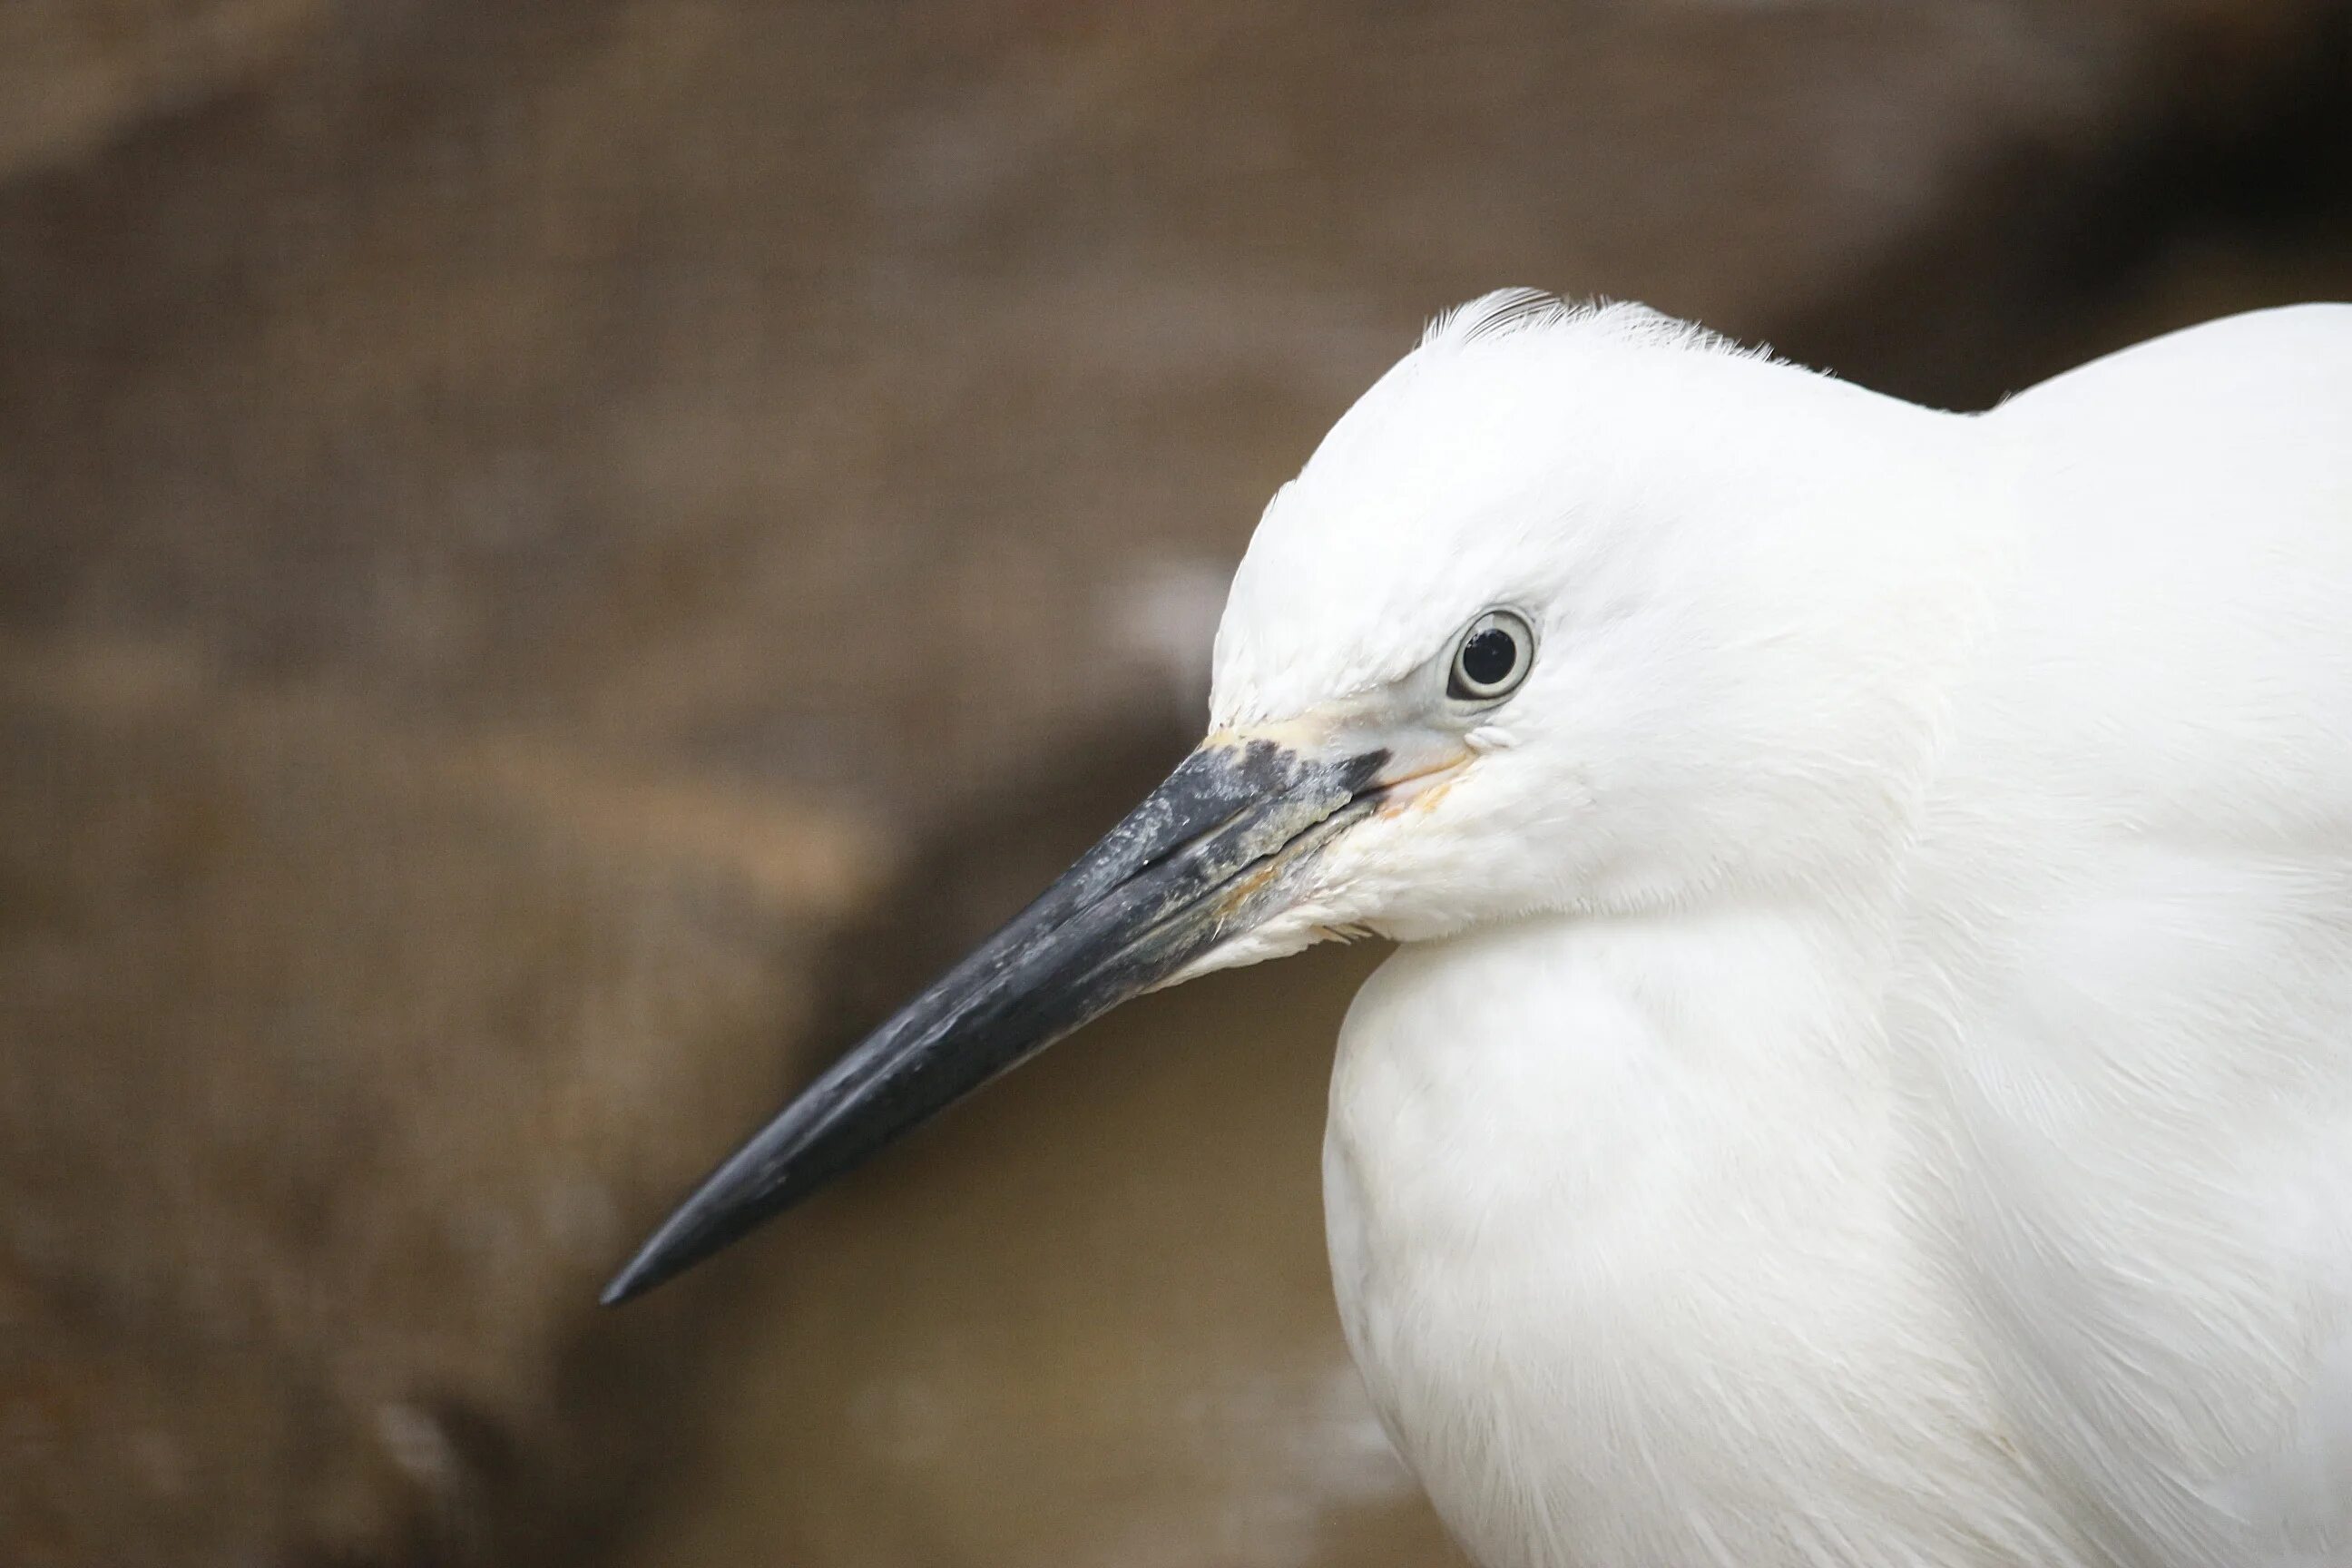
(1613,1212)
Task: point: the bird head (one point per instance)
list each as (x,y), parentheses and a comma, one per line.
(1577,610)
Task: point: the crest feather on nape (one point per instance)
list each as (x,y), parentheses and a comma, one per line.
(1516,312)
(1503,313)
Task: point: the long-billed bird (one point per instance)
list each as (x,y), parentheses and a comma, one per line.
(1867,1075)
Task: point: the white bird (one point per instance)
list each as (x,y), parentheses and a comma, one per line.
(1867,1079)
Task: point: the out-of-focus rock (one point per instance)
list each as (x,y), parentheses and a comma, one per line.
(339,1062)
(75,73)
(555,557)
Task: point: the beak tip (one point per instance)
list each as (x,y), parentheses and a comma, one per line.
(640,1275)
(668,1252)
(722,1209)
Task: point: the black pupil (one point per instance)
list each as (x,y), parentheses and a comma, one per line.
(1487,657)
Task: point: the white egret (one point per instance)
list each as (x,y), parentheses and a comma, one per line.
(1868,1076)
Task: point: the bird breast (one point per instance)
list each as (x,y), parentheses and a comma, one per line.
(1626,1271)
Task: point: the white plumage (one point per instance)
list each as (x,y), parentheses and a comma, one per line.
(1869,1078)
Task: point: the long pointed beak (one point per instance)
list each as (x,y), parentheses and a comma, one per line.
(1206,855)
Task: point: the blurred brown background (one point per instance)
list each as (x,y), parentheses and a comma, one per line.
(555,558)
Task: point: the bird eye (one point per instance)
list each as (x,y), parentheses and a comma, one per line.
(1492,658)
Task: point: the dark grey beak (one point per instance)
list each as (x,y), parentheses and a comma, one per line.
(1204,856)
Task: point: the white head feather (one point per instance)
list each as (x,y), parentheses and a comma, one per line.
(1743,596)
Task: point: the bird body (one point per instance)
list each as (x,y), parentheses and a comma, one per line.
(1978,1191)
(1867,1081)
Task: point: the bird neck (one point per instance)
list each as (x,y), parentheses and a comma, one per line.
(1641,1069)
